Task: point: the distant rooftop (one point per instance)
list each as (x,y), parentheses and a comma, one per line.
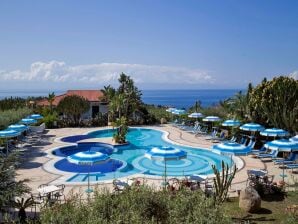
(90,95)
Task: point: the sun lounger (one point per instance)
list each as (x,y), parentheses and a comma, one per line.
(198,130)
(292,166)
(259,151)
(212,135)
(195,129)
(203,131)
(273,154)
(251,143)
(242,140)
(221,137)
(290,160)
(190,128)
(233,139)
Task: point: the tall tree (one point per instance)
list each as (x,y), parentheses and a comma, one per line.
(73,107)
(9,186)
(275,103)
(125,101)
(236,106)
(51,98)
(130,93)
(109,93)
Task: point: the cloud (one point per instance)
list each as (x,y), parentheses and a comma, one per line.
(294,75)
(107,73)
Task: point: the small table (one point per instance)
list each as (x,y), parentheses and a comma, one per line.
(47,189)
(257,172)
(196,177)
(121,185)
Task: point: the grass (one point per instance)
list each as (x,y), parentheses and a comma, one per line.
(273,210)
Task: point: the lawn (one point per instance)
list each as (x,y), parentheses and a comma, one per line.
(273,210)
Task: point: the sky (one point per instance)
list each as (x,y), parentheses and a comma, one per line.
(165,44)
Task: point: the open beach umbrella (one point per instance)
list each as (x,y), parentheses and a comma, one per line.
(18,127)
(36,116)
(233,148)
(88,158)
(197,177)
(282,145)
(231,123)
(179,112)
(28,121)
(252,127)
(211,118)
(171,109)
(294,139)
(196,115)
(165,154)
(274,132)
(7,133)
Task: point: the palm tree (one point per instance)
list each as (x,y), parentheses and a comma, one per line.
(121,130)
(236,106)
(51,98)
(109,92)
(22,204)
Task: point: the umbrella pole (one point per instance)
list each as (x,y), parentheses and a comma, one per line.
(283,167)
(6,147)
(165,184)
(89,190)
(88,179)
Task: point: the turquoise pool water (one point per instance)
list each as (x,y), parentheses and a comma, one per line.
(198,161)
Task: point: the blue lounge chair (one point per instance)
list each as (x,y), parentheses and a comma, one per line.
(242,140)
(290,160)
(272,154)
(251,143)
(233,139)
(191,129)
(259,151)
(212,135)
(221,137)
(202,131)
(195,130)
(292,166)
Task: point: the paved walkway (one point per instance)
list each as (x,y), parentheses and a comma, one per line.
(34,158)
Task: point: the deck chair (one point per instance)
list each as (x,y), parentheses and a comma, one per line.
(271,155)
(290,160)
(251,143)
(203,131)
(233,139)
(212,135)
(292,166)
(259,151)
(242,140)
(190,128)
(219,138)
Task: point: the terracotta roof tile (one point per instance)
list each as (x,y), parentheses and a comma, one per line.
(90,95)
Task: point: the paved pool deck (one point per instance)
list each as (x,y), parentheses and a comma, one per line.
(34,158)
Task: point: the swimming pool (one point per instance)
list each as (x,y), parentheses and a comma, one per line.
(126,161)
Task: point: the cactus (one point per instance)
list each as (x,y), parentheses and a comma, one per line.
(222,182)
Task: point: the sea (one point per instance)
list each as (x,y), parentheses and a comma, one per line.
(172,98)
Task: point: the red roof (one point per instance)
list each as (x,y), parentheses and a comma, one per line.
(90,95)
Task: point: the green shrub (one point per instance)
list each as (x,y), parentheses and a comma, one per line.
(8,117)
(158,112)
(50,120)
(137,205)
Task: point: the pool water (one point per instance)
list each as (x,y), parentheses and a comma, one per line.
(130,160)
